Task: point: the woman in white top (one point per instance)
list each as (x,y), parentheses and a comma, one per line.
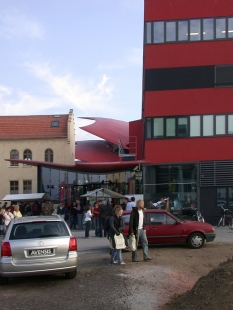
(88,216)
(8,216)
(17,213)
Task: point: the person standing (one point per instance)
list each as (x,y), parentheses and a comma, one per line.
(96,219)
(88,216)
(2,222)
(124,203)
(116,228)
(136,227)
(17,212)
(61,210)
(80,210)
(8,216)
(28,209)
(102,217)
(131,204)
(73,215)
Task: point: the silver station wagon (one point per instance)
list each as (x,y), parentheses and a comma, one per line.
(36,245)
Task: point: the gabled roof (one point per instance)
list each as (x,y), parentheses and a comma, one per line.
(109,129)
(33,127)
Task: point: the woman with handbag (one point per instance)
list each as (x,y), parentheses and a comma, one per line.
(116,228)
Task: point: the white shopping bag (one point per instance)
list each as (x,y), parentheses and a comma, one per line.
(132,243)
(120,242)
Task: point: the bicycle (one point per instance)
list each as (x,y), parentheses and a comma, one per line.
(226,218)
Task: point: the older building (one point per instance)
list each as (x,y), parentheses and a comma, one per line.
(45,138)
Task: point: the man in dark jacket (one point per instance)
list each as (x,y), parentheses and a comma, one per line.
(136,227)
(102,218)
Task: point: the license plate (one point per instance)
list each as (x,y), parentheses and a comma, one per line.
(41,252)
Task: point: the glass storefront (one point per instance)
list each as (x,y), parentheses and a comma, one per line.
(176,182)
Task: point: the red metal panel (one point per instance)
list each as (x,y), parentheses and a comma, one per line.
(136,130)
(181,9)
(188,150)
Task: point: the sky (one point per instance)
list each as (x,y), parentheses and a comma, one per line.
(85,55)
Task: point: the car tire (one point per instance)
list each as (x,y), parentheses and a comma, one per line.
(71,275)
(3,281)
(196,241)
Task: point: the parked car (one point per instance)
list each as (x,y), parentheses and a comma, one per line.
(36,245)
(164,228)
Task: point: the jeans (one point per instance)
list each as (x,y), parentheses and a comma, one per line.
(102,226)
(87,229)
(97,226)
(119,257)
(73,222)
(144,242)
(80,221)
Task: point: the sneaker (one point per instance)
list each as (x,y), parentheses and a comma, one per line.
(148,258)
(134,260)
(122,263)
(114,262)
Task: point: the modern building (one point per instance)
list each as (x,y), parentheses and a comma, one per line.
(187,109)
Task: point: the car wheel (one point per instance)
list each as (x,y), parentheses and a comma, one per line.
(196,241)
(71,275)
(3,281)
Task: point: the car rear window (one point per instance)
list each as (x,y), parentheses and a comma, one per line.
(126,218)
(38,230)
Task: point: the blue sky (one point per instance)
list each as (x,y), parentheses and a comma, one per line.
(84,55)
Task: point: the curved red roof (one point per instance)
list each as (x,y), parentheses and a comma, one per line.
(86,167)
(109,129)
(95,151)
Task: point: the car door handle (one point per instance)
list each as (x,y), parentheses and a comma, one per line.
(153,228)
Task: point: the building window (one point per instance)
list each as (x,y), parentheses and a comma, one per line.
(148,32)
(14,154)
(220,125)
(170,31)
(208,29)
(27,187)
(195,30)
(158,32)
(230,125)
(208,125)
(224,75)
(183,30)
(170,127)
(220,28)
(14,187)
(195,126)
(230,27)
(158,130)
(27,155)
(182,127)
(55,124)
(49,155)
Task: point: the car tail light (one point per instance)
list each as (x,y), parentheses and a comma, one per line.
(6,249)
(73,244)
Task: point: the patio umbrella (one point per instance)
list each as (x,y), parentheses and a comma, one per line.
(103,193)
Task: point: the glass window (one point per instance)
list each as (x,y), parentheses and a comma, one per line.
(158,130)
(170,31)
(208,29)
(230,125)
(170,127)
(220,28)
(158,32)
(230,27)
(224,75)
(195,29)
(221,196)
(220,125)
(182,127)
(55,124)
(14,187)
(170,220)
(148,33)
(208,128)
(195,126)
(183,30)
(14,154)
(49,155)
(27,154)
(27,187)
(230,197)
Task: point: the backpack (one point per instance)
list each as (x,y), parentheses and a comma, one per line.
(34,207)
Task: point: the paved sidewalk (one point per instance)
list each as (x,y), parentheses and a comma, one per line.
(90,244)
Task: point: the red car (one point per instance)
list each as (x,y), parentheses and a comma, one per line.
(162,227)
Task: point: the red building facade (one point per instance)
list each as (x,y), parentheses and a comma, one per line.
(187,110)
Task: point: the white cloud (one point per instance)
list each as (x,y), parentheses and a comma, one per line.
(15,24)
(84,95)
